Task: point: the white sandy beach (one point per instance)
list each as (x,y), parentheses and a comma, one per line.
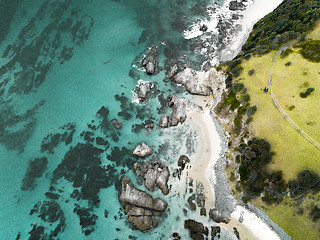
(247,223)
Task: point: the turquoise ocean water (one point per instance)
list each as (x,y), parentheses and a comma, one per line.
(67,69)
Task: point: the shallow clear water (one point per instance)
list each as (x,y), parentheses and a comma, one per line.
(68,68)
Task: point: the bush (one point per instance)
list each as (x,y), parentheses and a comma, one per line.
(232,100)
(251,72)
(252,110)
(286,53)
(291,107)
(310,50)
(235,72)
(246,97)
(238,87)
(249,119)
(306,93)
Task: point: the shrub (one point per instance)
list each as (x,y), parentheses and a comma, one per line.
(235,72)
(238,87)
(252,110)
(286,53)
(306,93)
(249,120)
(310,50)
(291,107)
(251,72)
(246,97)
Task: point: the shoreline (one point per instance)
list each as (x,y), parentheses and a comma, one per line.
(247,222)
(250,224)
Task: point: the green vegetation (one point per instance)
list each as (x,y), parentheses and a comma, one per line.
(251,72)
(306,93)
(286,53)
(268,124)
(278,168)
(310,50)
(289,21)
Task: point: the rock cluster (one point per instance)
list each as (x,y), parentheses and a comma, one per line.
(197,230)
(140,207)
(151,62)
(200,83)
(237,5)
(142,150)
(180,107)
(154,174)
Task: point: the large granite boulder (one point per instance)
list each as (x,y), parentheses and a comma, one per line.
(151,62)
(200,83)
(180,107)
(219,216)
(142,150)
(140,207)
(144,91)
(154,174)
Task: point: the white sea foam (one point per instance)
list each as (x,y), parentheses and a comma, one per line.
(253,13)
(237,30)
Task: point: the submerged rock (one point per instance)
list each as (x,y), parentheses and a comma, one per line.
(164,122)
(180,107)
(140,206)
(142,150)
(150,62)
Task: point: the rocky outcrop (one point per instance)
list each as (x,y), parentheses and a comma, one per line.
(219,216)
(180,107)
(151,62)
(183,160)
(140,207)
(200,83)
(155,175)
(237,6)
(197,230)
(142,150)
(144,91)
(164,122)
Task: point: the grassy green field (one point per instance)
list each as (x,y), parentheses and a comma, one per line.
(290,218)
(293,153)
